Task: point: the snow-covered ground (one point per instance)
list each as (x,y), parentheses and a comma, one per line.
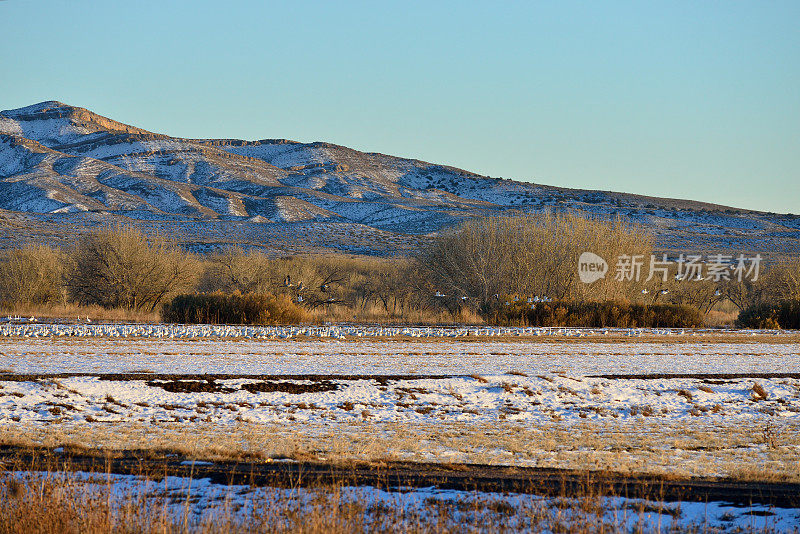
(33,347)
(475,381)
(536,401)
(477,399)
(194,502)
(392,356)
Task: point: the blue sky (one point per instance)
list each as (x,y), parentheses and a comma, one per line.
(695,100)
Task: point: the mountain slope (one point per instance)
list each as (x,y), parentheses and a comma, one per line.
(60,159)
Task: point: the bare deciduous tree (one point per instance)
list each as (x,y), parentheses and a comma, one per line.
(777,282)
(782,281)
(237,270)
(31,275)
(532,255)
(121,267)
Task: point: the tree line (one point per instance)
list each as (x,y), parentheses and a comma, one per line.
(476,272)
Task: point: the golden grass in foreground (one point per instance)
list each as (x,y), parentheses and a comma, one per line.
(747,451)
(63,503)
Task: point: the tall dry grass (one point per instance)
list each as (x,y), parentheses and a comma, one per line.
(594,314)
(651,445)
(78,313)
(61,503)
(233,308)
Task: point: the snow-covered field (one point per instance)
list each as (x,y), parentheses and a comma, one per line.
(390,380)
(196,502)
(465,399)
(523,397)
(555,353)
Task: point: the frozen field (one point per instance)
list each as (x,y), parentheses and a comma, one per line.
(510,397)
(510,379)
(683,354)
(471,399)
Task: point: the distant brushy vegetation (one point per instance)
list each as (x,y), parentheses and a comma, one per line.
(460,277)
(594,314)
(32,275)
(222,308)
(784,315)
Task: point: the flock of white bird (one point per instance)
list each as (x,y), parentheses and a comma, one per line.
(338,331)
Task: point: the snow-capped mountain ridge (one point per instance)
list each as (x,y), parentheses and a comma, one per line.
(56,158)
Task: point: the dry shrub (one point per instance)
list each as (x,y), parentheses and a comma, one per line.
(592,314)
(781,281)
(221,308)
(31,275)
(776,283)
(122,268)
(719,318)
(759,393)
(770,435)
(771,316)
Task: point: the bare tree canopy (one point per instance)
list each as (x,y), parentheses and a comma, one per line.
(237,270)
(121,267)
(31,275)
(531,255)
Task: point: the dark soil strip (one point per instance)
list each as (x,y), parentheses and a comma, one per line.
(207,383)
(326,378)
(13,377)
(465,477)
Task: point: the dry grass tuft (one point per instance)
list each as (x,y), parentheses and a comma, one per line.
(508,388)
(758,392)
